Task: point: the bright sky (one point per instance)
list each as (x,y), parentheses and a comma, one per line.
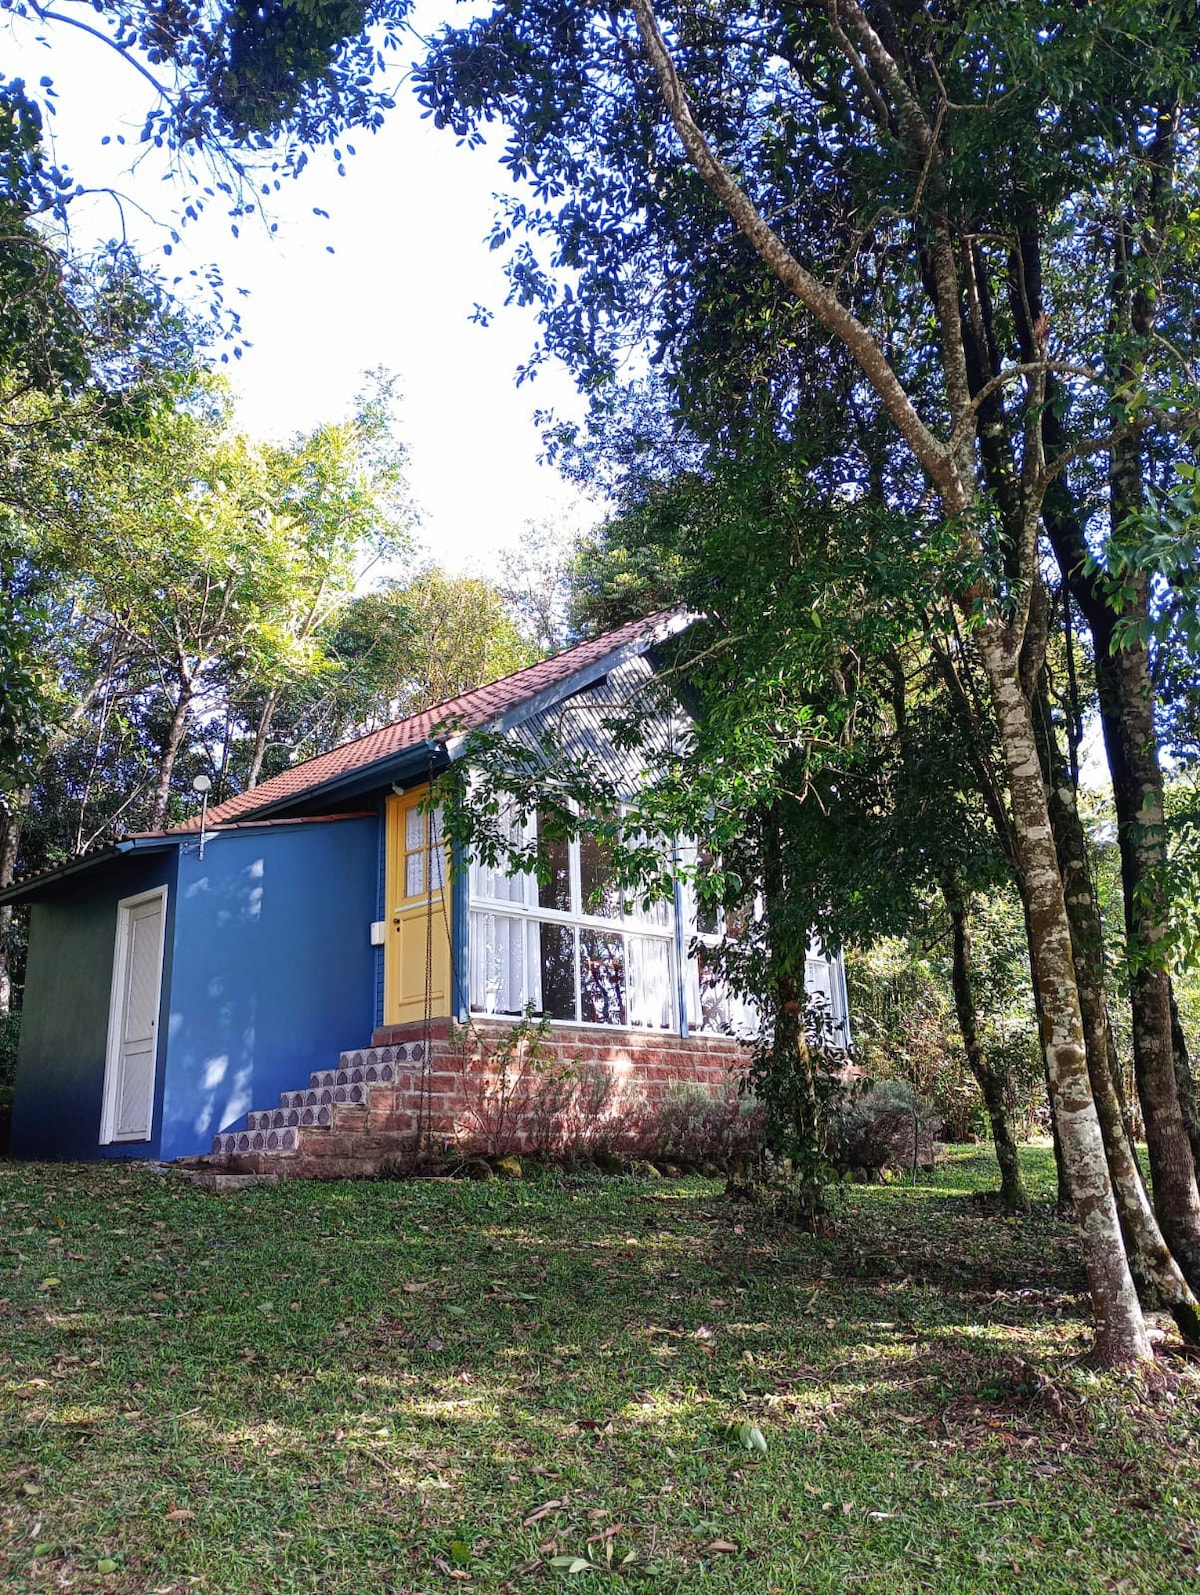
(407,224)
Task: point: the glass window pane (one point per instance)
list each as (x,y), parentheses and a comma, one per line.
(600,894)
(558,971)
(659,910)
(554,857)
(414,874)
(502,980)
(437,869)
(649,982)
(497,882)
(601,978)
(708,914)
(436,825)
(712,996)
(414,829)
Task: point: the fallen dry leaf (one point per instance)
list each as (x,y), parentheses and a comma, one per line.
(539,1512)
(451,1572)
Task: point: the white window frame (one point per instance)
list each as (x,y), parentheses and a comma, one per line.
(116,1005)
(528,910)
(744,1019)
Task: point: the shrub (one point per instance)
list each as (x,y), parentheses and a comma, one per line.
(10,1031)
(526,1099)
(905,1027)
(522,1094)
(593,1120)
(876,1130)
(694,1126)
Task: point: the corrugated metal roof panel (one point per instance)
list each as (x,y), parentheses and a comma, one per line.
(579,727)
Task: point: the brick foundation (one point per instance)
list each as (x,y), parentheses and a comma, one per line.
(480,1088)
(474,1103)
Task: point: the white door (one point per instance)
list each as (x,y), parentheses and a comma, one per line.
(133,1019)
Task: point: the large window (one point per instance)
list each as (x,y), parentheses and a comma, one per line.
(566,943)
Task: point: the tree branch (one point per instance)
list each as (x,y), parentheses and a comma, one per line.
(813,294)
(105,38)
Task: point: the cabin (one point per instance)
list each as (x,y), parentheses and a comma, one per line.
(311,979)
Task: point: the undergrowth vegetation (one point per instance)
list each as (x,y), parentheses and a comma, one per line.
(369,1388)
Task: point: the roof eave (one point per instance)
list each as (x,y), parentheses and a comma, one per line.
(34,885)
(352,783)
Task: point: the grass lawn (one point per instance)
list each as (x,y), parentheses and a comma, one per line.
(377,1388)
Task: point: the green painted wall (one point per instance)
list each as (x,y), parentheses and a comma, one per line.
(64,1025)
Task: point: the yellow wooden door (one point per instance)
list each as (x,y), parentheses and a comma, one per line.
(418,897)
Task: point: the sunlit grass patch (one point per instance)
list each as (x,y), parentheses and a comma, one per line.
(372,1388)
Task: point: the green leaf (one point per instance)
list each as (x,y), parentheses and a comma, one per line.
(752,1438)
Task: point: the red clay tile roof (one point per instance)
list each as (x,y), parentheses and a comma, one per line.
(457,715)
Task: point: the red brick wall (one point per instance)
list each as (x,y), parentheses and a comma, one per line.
(575,1085)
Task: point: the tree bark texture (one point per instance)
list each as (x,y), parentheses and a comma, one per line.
(1185,1082)
(172,742)
(1120,1329)
(1159,1277)
(991,1083)
(1062,1198)
(1127,716)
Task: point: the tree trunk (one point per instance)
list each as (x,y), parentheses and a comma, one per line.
(1159,1278)
(1185,1083)
(261,735)
(1127,716)
(1126,698)
(1120,1329)
(168,753)
(991,1084)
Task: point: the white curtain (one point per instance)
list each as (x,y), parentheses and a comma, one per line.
(496,884)
(648,967)
(505,967)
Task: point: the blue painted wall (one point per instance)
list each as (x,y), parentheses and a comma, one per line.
(273,973)
(64,1023)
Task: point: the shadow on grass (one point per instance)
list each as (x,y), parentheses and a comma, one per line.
(380,1387)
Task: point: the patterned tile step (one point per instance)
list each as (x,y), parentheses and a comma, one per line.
(365,1073)
(302,1113)
(275,1129)
(254,1141)
(375,1057)
(326,1095)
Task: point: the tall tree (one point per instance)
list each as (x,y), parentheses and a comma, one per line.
(871,136)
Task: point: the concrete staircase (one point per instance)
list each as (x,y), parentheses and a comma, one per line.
(345,1124)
